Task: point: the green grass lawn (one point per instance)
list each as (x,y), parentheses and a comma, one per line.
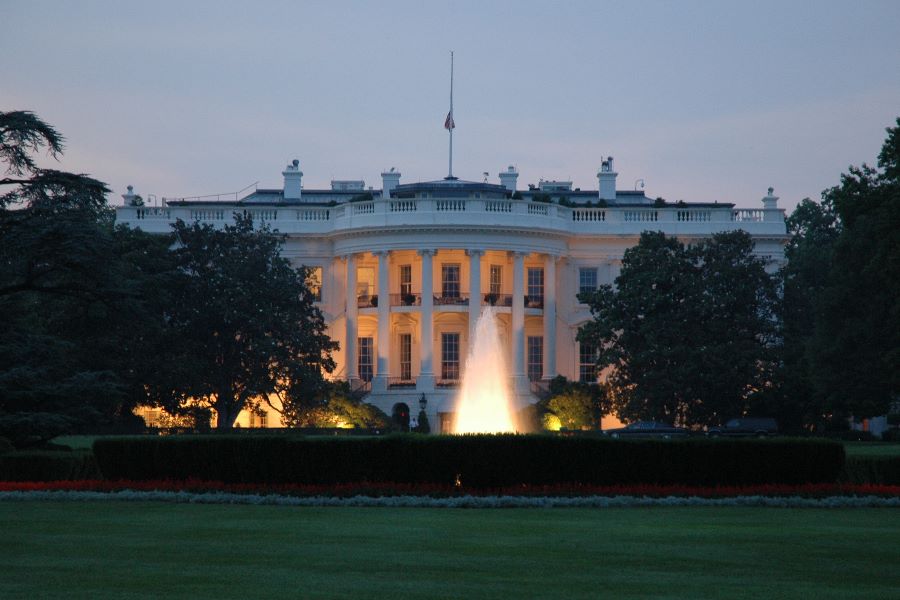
(145,550)
(872,448)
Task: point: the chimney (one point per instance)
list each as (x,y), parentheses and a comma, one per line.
(607,177)
(508,178)
(390,180)
(132,199)
(292,176)
(770,205)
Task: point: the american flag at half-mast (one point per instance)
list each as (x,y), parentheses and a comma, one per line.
(448,122)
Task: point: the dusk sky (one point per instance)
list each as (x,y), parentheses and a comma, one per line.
(703,100)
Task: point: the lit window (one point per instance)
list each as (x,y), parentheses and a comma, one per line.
(587,280)
(450,281)
(314,282)
(535,286)
(587,363)
(405,356)
(405,280)
(496,279)
(450,356)
(365,358)
(535,357)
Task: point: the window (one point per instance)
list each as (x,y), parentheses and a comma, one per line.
(535,357)
(496,279)
(365,358)
(365,282)
(535,286)
(450,281)
(259,419)
(587,280)
(405,356)
(587,363)
(405,280)
(314,282)
(450,356)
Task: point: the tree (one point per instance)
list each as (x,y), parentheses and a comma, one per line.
(814,229)
(688,333)
(244,323)
(855,350)
(75,311)
(574,409)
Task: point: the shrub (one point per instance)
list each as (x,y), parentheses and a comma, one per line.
(47,465)
(480,461)
(876,470)
(6,445)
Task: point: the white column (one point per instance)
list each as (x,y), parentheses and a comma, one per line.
(380,382)
(425,381)
(549,316)
(520,381)
(474,290)
(352,369)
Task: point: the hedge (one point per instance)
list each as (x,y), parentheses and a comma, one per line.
(876,470)
(480,461)
(47,465)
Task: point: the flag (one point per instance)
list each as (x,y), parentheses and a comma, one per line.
(448,122)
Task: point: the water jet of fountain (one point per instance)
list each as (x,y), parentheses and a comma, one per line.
(485,404)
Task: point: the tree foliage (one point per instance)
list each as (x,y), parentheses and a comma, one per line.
(245,324)
(855,347)
(689,332)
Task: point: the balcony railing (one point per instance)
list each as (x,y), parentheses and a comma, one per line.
(401,382)
(452,300)
(367,301)
(498,299)
(493,212)
(412,299)
(448,382)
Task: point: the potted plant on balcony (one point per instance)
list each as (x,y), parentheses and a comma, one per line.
(409,299)
(373,300)
(491,298)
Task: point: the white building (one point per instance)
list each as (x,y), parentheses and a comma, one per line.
(405,270)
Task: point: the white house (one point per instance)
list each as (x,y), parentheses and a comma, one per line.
(404,271)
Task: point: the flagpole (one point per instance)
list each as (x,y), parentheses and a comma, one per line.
(450,173)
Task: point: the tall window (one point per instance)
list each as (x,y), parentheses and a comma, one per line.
(314,282)
(587,280)
(450,281)
(405,356)
(587,363)
(535,357)
(450,356)
(535,285)
(405,280)
(496,279)
(365,282)
(365,358)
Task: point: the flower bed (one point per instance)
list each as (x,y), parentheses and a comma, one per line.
(388,490)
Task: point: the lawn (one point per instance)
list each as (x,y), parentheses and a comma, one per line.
(144,550)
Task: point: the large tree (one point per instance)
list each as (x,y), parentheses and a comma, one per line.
(244,324)
(688,332)
(77,309)
(855,350)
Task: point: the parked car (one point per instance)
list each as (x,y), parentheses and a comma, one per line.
(645,429)
(745,427)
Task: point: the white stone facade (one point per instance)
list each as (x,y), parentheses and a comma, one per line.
(425,258)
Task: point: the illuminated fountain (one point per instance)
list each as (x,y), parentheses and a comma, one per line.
(485,404)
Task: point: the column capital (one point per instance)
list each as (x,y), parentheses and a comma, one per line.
(475,252)
(517,253)
(345,257)
(427,252)
(380,253)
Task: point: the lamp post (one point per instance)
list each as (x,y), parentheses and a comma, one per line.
(423,402)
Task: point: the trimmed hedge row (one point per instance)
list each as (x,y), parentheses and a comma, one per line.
(47,465)
(876,470)
(480,461)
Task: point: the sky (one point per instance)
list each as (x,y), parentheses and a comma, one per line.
(703,101)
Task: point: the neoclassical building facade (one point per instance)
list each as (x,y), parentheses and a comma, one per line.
(403,272)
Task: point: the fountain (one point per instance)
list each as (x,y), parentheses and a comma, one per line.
(485,404)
